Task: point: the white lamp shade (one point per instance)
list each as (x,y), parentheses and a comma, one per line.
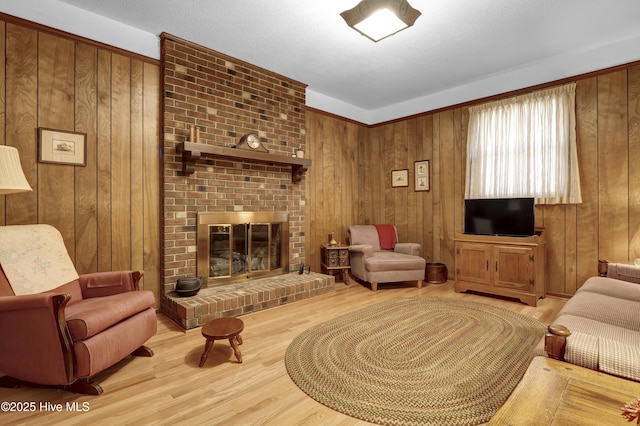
(12,179)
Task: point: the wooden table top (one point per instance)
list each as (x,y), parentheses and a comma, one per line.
(557,393)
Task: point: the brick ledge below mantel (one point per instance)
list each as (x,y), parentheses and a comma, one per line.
(242,298)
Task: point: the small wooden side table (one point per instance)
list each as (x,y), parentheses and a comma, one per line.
(554,392)
(219,329)
(335,259)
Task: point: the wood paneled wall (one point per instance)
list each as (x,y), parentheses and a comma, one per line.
(349,182)
(108,212)
(333,184)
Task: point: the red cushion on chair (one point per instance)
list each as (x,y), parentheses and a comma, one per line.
(387,236)
(91,316)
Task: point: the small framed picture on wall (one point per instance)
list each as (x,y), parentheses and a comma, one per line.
(422,175)
(399,178)
(62,147)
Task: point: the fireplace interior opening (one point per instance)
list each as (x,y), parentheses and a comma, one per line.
(241,246)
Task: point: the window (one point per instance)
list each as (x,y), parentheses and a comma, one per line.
(525,147)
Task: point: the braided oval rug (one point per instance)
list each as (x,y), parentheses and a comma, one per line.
(415,361)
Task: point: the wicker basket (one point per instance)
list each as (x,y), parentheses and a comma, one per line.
(436,273)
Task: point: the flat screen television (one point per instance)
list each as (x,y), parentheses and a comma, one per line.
(513,217)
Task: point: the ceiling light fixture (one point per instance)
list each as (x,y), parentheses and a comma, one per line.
(378,19)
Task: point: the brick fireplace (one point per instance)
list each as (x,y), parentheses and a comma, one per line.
(225,98)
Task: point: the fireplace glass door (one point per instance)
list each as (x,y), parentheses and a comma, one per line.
(238,251)
(264,246)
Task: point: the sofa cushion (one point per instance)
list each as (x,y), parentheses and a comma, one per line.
(91,316)
(596,328)
(605,309)
(105,349)
(390,261)
(604,347)
(619,359)
(582,349)
(612,287)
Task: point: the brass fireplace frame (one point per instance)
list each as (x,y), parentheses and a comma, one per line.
(208,219)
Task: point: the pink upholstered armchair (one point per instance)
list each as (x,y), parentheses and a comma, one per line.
(376,256)
(59,328)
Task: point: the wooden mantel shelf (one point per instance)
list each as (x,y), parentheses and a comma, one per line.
(191,153)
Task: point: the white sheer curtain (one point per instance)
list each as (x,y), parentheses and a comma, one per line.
(525,147)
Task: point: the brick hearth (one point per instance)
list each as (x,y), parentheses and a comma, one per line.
(238,299)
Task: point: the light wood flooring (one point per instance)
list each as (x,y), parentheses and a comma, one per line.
(170,389)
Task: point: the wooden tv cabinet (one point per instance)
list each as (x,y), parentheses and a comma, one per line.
(504,266)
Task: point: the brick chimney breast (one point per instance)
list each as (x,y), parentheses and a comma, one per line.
(225,98)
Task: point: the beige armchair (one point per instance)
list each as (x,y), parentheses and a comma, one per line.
(377,257)
(58,328)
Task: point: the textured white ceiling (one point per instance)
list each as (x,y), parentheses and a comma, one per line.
(453,43)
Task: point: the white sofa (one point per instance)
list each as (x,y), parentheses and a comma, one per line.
(599,327)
